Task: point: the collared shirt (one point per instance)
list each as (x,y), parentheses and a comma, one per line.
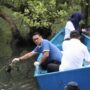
(73,55)
(54,52)
(68,28)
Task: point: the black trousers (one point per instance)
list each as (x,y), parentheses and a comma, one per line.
(50,65)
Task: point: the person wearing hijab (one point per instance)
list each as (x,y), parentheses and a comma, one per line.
(73,24)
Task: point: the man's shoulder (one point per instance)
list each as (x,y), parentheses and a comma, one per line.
(45,41)
(66,41)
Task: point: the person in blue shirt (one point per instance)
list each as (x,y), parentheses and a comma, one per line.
(50,53)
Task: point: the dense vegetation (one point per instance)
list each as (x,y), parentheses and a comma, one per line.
(18,20)
(27,16)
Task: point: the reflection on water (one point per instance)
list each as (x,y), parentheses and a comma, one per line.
(20,77)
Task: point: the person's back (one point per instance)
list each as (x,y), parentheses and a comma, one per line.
(55,53)
(74,54)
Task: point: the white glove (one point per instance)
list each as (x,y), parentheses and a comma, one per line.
(36,63)
(15,60)
(83,30)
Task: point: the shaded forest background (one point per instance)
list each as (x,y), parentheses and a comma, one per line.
(18,20)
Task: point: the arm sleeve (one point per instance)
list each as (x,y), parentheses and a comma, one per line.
(69,26)
(45,46)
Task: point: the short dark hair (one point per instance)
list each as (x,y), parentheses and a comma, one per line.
(74,34)
(36,33)
(72,86)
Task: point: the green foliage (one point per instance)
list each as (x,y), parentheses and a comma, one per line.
(43,12)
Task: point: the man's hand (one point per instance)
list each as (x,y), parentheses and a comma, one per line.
(36,63)
(15,60)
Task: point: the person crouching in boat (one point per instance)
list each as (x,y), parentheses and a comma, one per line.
(50,53)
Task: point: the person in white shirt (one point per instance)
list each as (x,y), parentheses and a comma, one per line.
(68,28)
(74,52)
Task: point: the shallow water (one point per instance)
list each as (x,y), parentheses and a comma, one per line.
(21,76)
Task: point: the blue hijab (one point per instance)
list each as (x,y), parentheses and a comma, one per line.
(75,19)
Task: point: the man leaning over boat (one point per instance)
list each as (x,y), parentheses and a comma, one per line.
(50,53)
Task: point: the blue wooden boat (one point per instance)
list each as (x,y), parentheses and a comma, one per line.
(57,80)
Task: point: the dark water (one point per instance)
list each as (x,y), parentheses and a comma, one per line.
(21,76)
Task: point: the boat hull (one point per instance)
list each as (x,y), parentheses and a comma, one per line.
(58,80)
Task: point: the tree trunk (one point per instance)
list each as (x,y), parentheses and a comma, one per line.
(17,41)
